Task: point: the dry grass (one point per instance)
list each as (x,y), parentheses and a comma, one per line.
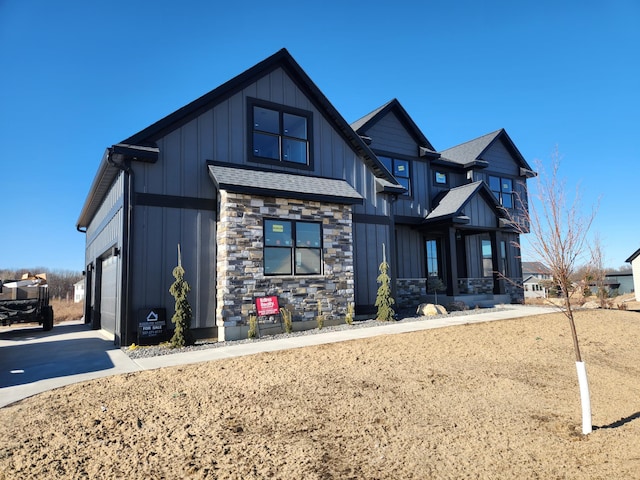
(64,310)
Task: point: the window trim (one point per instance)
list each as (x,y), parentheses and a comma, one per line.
(446,178)
(498,194)
(293,248)
(281,109)
(394,158)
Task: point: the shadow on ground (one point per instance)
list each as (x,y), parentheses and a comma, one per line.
(28,354)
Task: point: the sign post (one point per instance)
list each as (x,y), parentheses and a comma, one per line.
(266,309)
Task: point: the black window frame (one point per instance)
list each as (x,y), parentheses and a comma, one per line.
(500,194)
(282,110)
(394,159)
(435,178)
(293,248)
(434,258)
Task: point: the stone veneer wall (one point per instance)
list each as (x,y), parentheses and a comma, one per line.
(240,273)
(410,292)
(515,288)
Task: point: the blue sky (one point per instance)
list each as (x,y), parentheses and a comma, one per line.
(79,76)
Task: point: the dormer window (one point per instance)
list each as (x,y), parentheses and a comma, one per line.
(279,133)
(502,188)
(400,170)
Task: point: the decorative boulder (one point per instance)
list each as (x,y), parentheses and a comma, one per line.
(429,309)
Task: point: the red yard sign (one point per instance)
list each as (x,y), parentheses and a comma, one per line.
(267,306)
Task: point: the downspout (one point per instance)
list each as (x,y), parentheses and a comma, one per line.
(125,313)
(392,248)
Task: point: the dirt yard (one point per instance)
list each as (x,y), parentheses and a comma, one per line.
(486,401)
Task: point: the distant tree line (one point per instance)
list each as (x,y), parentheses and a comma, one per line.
(60,281)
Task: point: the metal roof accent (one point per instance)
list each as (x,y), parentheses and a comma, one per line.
(269,183)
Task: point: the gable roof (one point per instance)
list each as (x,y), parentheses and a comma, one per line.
(633,256)
(365,123)
(535,268)
(242,179)
(454,200)
(471,153)
(108,169)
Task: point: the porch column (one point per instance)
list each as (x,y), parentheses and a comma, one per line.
(498,263)
(451,262)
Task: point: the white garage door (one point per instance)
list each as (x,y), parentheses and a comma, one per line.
(108,294)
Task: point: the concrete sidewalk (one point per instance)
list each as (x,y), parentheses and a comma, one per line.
(34,361)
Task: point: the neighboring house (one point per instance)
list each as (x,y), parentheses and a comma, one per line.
(269,191)
(619,283)
(634,260)
(534,287)
(78,291)
(536,276)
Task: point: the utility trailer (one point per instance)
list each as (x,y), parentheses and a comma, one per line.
(26,301)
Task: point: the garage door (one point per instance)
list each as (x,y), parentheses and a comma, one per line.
(108,294)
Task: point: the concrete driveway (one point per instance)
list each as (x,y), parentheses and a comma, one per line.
(33,361)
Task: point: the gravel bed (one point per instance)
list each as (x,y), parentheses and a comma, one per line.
(155,350)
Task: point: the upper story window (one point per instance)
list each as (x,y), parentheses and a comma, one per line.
(502,188)
(400,170)
(279,133)
(292,248)
(440,178)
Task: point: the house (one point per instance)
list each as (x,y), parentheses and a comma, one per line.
(634,260)
(619,283)
(270,192)
(78,291)
(536,276)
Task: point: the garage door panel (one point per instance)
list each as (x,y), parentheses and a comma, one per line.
(108,291)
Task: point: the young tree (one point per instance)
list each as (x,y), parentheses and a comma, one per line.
(597,270)
(384,300)
(182,335)
(557,236)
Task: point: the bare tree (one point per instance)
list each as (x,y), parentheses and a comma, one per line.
(557,237)
(597,271)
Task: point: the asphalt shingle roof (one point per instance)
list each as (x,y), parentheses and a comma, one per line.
(470,151)
(454,200)
(287,185)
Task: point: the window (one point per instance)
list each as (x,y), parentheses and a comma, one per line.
(400,170)
(487,259)
(503,254)
(440,178)
(502,188)
(433,268)
(279,134)
(292,248)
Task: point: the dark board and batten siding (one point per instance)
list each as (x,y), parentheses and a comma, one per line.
(369,238)
(390,135)
(104,232)
(158,231)
(410,247)
(480,213)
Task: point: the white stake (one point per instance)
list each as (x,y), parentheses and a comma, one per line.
(584,398)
